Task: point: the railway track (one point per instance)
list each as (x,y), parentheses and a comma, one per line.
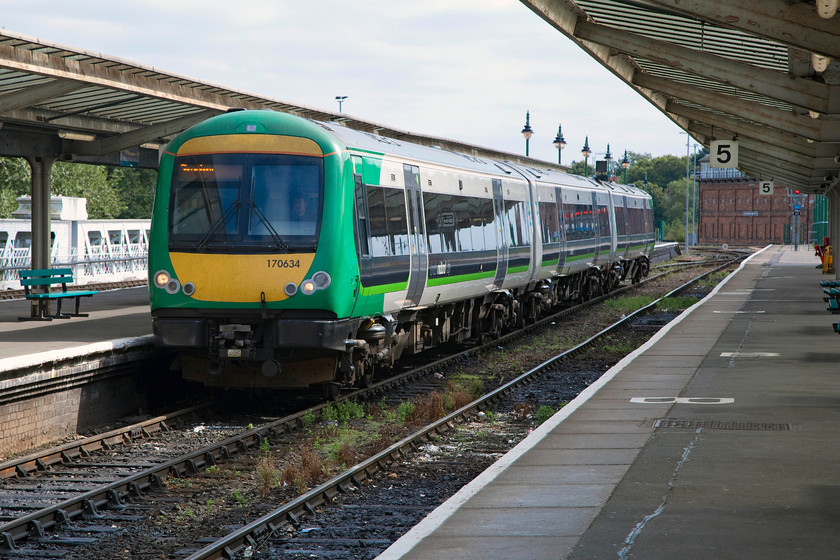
(89,507)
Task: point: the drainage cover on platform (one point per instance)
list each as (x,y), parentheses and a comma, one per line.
(721,425)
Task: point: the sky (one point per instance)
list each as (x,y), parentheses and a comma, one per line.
(466,70)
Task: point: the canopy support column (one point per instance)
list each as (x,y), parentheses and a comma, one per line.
(40,188)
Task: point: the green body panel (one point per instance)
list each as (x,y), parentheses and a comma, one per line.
(367,305)
(372,170)
(384,289)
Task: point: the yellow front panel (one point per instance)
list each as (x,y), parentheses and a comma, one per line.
(240,278)
(250,143)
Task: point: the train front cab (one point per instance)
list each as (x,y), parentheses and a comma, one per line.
(241,267)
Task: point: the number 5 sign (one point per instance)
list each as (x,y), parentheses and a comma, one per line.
(765,187)
(724,153)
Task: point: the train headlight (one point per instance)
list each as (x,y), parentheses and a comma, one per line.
(161,278)
(164,281)
(319,281)
(308,287)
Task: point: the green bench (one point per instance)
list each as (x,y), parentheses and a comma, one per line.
(831,289)
(44,278)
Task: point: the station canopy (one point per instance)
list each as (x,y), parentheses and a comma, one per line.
(63,103)
(765,74)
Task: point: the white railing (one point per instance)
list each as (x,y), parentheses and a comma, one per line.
(101,265)
(96,250)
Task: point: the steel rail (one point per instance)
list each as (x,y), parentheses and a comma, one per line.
(41,461)
(260,529)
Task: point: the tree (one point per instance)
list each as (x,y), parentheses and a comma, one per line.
(90,182)
(135,188)
(111,192)
(14,182)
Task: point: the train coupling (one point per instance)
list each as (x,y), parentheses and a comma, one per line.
(236,341)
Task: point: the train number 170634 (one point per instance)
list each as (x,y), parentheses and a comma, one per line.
(283,263)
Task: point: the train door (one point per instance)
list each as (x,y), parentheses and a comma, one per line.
(558,196)
(501,242)
(360,215)
(623,233)
(417,236)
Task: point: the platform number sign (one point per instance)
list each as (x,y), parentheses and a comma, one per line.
(765,187)
(724,153)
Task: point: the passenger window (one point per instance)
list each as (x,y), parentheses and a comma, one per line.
(362,217)
(517,233)
(604,220)
(397,221)
(380,245)
(550,222)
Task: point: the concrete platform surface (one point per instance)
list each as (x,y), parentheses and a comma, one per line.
(116,317)
(717,439)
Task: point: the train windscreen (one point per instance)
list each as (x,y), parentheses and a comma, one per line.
(268,202)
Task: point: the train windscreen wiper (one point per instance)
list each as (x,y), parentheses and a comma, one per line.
(279,244)
(218,223)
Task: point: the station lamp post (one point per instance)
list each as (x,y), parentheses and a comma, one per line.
(585,153)
(527,132)
(625,163)
(340,99)
(608,158)
(559,143)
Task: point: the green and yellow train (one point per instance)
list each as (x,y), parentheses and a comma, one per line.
(287,253)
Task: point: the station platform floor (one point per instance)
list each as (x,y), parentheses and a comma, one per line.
(718,439)
(116,318)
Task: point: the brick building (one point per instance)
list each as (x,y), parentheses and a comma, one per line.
(731,210)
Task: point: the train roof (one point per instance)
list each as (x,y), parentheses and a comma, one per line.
(366,141)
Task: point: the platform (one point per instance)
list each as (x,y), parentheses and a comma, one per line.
(717,439)
(115,317)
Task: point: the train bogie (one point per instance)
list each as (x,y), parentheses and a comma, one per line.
(287,253)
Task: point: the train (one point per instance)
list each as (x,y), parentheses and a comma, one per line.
(290,253)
